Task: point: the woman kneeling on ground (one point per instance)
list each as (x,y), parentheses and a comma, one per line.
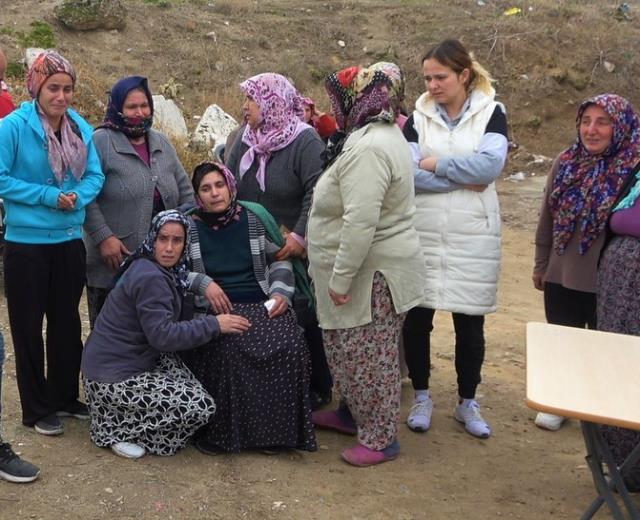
(260,380)
(142,398)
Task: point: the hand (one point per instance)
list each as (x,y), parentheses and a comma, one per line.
(291,248)
(280,307)
(339,299)
(112,251)
(218,299)
(73,197)
(428,163)
(475,187)
(66,201)
(537,281)
(232,323)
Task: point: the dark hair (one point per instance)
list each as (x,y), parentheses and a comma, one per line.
(201,170)
(451,53)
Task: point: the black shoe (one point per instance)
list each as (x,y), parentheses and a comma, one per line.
(206,447)
(49,425)
(75,409)
(318,400)
(13,468)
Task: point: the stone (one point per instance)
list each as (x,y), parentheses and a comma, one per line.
(214,127)
(31,54)
(87,15)
(168,119)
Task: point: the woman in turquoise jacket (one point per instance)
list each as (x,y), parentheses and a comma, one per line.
(49,173)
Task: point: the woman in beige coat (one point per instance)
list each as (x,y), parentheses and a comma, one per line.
(365,259)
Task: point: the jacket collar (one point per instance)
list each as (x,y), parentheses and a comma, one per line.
(478,100)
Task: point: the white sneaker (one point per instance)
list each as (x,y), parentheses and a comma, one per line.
(419,419)
(468,412)
(128,450)
(549,421)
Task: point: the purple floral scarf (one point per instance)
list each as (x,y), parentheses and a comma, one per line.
(587,185)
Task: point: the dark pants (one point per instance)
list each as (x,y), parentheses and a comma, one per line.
(96,296)
(568,307)
(469,349)
(45,279)
(321,381)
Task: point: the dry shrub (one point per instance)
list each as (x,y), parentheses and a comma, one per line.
(235,7)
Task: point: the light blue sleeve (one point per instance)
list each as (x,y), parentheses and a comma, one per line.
(426,181)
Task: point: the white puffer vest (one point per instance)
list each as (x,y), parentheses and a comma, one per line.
(459,231)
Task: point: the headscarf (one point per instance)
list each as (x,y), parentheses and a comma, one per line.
(587,185)
(146,249)
(232,213)
(282,112)
(116,120)
(70,152)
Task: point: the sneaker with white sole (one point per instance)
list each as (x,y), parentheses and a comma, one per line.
(549,421)
(13,468)
(419,419)
(128,450)
(49,425)
(468,412)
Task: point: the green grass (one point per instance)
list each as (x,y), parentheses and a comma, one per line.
(41,35)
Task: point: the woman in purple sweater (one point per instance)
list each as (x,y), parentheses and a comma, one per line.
(141,398)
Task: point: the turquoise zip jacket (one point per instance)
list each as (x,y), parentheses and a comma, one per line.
(30,190)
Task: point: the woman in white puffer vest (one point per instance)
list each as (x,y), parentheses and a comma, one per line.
(458,136)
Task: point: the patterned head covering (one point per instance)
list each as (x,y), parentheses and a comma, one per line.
(232,212)
(69,152)
(45,65)
(116,120)
(146,249)
(359,96)
(395,74)
(586,185)
(282,111)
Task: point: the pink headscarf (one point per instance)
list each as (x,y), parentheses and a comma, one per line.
(282,112)
(69,152)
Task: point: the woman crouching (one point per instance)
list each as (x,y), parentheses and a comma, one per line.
(141,398)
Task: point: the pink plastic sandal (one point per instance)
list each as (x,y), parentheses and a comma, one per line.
(362,456)
(329,420)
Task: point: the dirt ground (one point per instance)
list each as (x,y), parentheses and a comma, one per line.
(546,59)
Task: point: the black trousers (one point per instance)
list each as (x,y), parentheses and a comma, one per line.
(321,381)
(96,296)
(470,346)
(45,279)
(569,307)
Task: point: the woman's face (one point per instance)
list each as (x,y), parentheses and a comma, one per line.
(443,84)
(596,129)
(55,96)
(136,104)
(307,113)
(214,193)
(252,112)
(169,244)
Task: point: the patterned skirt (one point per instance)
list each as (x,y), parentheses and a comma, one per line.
(260,382)
(619,311)
(160,409)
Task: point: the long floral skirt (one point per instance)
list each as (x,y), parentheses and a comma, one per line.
(159,409)
(619,311)
(260,382)
(364,362)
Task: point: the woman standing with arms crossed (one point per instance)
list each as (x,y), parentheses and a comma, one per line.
(143,177)
(49,173)
(458,135)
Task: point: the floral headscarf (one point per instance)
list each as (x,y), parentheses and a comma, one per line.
(69,152)
(146,249)
(586,185)
(282,112)
(116,120)
(232,213)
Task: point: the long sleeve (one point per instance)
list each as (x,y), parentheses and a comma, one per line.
(281,278)
(544,230)
(95,223)
(308,164)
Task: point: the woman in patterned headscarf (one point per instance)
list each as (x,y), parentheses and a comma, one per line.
(49,173)
(583,185)
(143,177)
(276,160)
(141,397)
(365,260)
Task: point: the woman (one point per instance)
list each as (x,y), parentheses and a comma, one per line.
(49,173)
(142,398)
(325,124)
(365,261)
(458,136)
(581,189)
(277,161)
(260,380)
(143,177)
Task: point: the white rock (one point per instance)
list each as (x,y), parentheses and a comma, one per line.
(341,43)
(168,118)
(31,54)
(213,128)
(517,177)
(609,66)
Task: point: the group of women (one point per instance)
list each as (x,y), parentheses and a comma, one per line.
(204,323)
